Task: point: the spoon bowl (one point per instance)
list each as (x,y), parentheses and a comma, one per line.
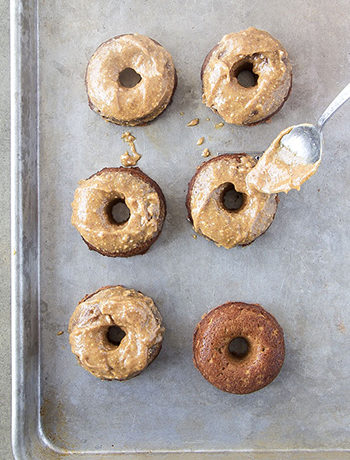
(304,142)
(294,156)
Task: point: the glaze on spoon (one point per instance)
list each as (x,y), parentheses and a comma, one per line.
(281,169)
(295,155)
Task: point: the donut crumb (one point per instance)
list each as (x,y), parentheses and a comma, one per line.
(341,327)
(193,122)
(200,141)
(219,125)
(129,159)
(206,153)
(194,236)
(60,332)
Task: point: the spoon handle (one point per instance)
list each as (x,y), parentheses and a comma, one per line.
(342,97)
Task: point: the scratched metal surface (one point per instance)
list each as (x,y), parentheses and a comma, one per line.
(298,270)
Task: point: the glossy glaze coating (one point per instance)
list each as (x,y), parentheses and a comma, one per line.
(205,202)
(148,98)
(134,313)
(255,49)
(92,204)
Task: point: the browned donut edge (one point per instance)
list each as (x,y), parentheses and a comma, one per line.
(263,120)
(137,121)
(143,248)
(153,352)
(194,177)
(206,317)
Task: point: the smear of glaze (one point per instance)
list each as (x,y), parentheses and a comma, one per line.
(127,158)
(280,169)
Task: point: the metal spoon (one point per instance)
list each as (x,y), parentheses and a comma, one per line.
(306,139)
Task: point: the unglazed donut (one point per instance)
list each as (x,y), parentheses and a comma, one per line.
(228,372)
(133,313)
(142,102)
(207,212)
(92,211)
(254,50)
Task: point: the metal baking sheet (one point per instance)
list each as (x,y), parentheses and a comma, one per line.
(298,270)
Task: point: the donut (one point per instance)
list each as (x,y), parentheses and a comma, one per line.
(254,50)
(92,211)
(236,372)
(139,98)
(129,311)
(208,213)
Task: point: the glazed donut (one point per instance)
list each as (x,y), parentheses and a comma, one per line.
(205,202)
(231,372)
(254,50)
(145,98)
(134,314)
(92,211)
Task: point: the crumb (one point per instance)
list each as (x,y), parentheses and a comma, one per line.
(193,122)
(60,332)
(200,141)
(206,153)
(129,159)
(14,252)
(208,119)
(341,327)
(219,125)
(128,137)
(182,113)
(318,189)
(194,236)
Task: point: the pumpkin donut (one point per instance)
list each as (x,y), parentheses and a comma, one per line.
(92,211)
(231,371)
(137,321)
(130,80)
(208,213)
(254,50)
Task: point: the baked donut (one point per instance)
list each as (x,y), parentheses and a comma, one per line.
(254,50)
(130,80)
(206,208)
(92,211)
(129,311)
(236,372)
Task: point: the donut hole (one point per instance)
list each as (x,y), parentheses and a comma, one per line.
(231,199)
(118,212)
(238,347)
(129,78)
(115,335)
(245,75)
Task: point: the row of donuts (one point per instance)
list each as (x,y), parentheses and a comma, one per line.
(105,231)
(131,78)
(116,332)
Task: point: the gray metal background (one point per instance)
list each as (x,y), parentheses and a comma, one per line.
(299,270)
